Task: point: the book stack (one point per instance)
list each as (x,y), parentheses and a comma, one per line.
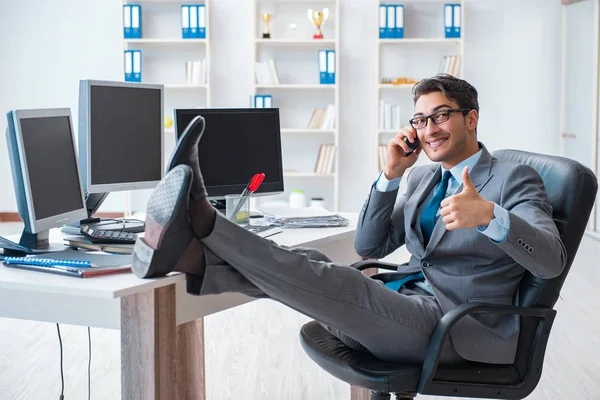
(266,73)
(322,118)
(389,116)
(450,65)
(325,159)
(382,151)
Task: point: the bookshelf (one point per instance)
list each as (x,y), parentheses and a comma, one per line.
(165,54)
(299,92)
(418,54)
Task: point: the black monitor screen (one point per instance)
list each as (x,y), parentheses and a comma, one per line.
(53,177)
(125,134)
(236,144)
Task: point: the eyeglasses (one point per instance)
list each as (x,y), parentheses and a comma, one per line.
(438,117)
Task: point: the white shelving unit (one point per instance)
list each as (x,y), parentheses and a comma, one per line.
(296,55)
(165,52)
(418,55)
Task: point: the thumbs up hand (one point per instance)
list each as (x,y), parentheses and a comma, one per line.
(466,209)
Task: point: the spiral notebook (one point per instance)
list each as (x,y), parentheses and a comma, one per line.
(76,268)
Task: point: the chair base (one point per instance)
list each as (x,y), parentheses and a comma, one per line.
(387,396)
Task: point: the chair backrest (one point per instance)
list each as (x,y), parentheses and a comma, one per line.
(571,189)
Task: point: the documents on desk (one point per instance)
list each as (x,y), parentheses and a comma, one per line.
(80,242)
(310,217)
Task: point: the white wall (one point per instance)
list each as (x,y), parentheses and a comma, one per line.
(512,56)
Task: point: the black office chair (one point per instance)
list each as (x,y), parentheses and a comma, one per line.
(571,190)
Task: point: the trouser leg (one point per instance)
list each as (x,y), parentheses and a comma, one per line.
(392,326)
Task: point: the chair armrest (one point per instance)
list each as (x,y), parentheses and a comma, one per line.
(434,348)
(362,265)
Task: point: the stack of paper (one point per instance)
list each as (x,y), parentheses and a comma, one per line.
(303,217)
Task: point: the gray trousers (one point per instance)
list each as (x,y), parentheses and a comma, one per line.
(363,313)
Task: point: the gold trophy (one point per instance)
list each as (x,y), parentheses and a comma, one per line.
(318,18)
(266,19)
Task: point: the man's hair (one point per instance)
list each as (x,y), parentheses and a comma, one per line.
(457,90)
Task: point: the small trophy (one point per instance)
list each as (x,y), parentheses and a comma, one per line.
(318,18)
(266,19)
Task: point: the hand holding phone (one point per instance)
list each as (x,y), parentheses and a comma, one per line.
(413,146)
(400,153)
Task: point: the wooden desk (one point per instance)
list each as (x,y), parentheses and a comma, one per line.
(162,331)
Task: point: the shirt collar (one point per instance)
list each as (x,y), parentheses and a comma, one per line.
(456,171)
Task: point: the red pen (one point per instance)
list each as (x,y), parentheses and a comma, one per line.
(250,188)
(253,184)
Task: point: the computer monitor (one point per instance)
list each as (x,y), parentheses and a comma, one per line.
(236,144)
(45,172)
(121,137)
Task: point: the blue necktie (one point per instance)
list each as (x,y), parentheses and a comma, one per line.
(431,209)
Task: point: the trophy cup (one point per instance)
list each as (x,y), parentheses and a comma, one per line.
(318,18)
(266,19)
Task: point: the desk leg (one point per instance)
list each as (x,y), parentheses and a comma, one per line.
(148,345)
(358,393)
(191,377)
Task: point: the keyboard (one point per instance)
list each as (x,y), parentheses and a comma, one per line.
(264,230)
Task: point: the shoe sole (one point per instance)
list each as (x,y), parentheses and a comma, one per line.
(167,232)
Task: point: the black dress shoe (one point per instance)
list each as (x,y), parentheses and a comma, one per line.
(186,153)
(168,231)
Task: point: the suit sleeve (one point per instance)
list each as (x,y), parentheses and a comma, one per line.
(380,229)
(533,240)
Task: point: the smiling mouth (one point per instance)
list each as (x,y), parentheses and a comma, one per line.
(437,143)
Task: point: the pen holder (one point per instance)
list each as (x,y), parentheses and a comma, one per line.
(237,209)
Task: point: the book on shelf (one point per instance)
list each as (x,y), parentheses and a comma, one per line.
(389,115)
(196,72)
(322,118)
(382,156)
(266,73)
(450,65)
(325,159)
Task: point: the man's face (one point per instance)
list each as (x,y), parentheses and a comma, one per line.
(451,141)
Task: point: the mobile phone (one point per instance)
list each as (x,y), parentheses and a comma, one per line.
(413,146)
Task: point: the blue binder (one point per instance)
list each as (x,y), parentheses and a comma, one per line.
(136,21)
(322,67)
(259,101)
(128,66)
(201,22)
(127,21)
(185,21)
(267,101)
(331,67)
(193,21)
(391,21)
(452,21)
(382,22)
(456,20)
(448,21)
(137,65)
(399,28)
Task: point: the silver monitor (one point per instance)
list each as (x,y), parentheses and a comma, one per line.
(121,135)
(45,171)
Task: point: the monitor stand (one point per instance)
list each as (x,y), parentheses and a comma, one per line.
(92,204)
(32,243)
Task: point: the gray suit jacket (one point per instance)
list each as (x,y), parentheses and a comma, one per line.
(464,265)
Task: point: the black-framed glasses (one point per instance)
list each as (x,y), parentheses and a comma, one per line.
(438,117)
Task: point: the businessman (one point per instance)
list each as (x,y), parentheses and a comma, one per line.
(473,225)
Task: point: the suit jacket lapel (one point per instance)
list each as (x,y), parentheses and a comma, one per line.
(480,176)
(430,178)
